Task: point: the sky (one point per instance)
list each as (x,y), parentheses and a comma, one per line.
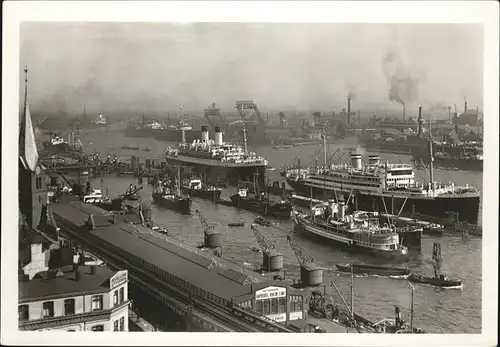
(158,66)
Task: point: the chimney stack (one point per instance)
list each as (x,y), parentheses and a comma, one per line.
(349,110)
(465,107)
(420,121)
(404,112)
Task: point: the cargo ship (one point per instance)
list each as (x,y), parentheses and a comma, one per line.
(386,188)
(331,223)
(195,188)
(464,156)
(261,204)
(217,160)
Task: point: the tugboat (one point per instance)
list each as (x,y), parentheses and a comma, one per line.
(439,280)
(373,270)
(195,188)
(165,196)
(261,204)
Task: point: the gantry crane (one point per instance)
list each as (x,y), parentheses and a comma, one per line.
(302,256)
(265,244)
(310,273)
(272,260)
(211,238)
(242,106)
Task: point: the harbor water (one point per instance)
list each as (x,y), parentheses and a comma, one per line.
(435,310)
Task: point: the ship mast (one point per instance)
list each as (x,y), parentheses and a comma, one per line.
(431,160)
(245,149)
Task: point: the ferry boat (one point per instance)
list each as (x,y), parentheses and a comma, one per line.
(385,187)
(195,188)
(217,160)
(333,224)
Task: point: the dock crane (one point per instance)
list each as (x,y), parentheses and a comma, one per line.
(242,106)
(272,260)
(211,238)
(310,273)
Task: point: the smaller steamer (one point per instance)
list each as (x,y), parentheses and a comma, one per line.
(272,260)
(311,274)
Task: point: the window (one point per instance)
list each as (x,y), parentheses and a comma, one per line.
(24,312)
(122,324)
(115,297)
(122,295)
(282,305)
(274,306)
(267,307)
(258,307)
(99,327)
(115,325)
(48,309)
(97,302)
(69,306)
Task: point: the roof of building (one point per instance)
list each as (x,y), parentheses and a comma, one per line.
(202,269)
(43,288)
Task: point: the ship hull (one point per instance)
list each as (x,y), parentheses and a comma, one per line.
(168,135)
(438,282)
(453,163)
(215,171)
(343,242)
(373,270)
(466,205)
(263,208)
(182,205)
(213,195)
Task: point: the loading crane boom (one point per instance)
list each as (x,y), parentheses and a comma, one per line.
(301,255)
(207,228)
(264,243)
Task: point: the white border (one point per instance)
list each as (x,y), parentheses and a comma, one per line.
(361,12)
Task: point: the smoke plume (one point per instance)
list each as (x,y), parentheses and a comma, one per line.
(403,86)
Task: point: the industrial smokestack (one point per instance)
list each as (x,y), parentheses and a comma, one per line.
(465,107)
(349,109)
(404,111)
(420,121)
(449,113)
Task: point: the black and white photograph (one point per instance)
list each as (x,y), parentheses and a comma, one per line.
(196,169)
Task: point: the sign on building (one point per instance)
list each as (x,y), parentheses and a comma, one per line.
(270,293)
(119,278)
(245,105)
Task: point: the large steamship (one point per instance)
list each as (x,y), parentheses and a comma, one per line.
(216,160)
(386,187)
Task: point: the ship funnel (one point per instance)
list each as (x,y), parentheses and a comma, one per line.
(356,160)
(183,135)
(373,159)
(218,136)
(341,210)
(204,133)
